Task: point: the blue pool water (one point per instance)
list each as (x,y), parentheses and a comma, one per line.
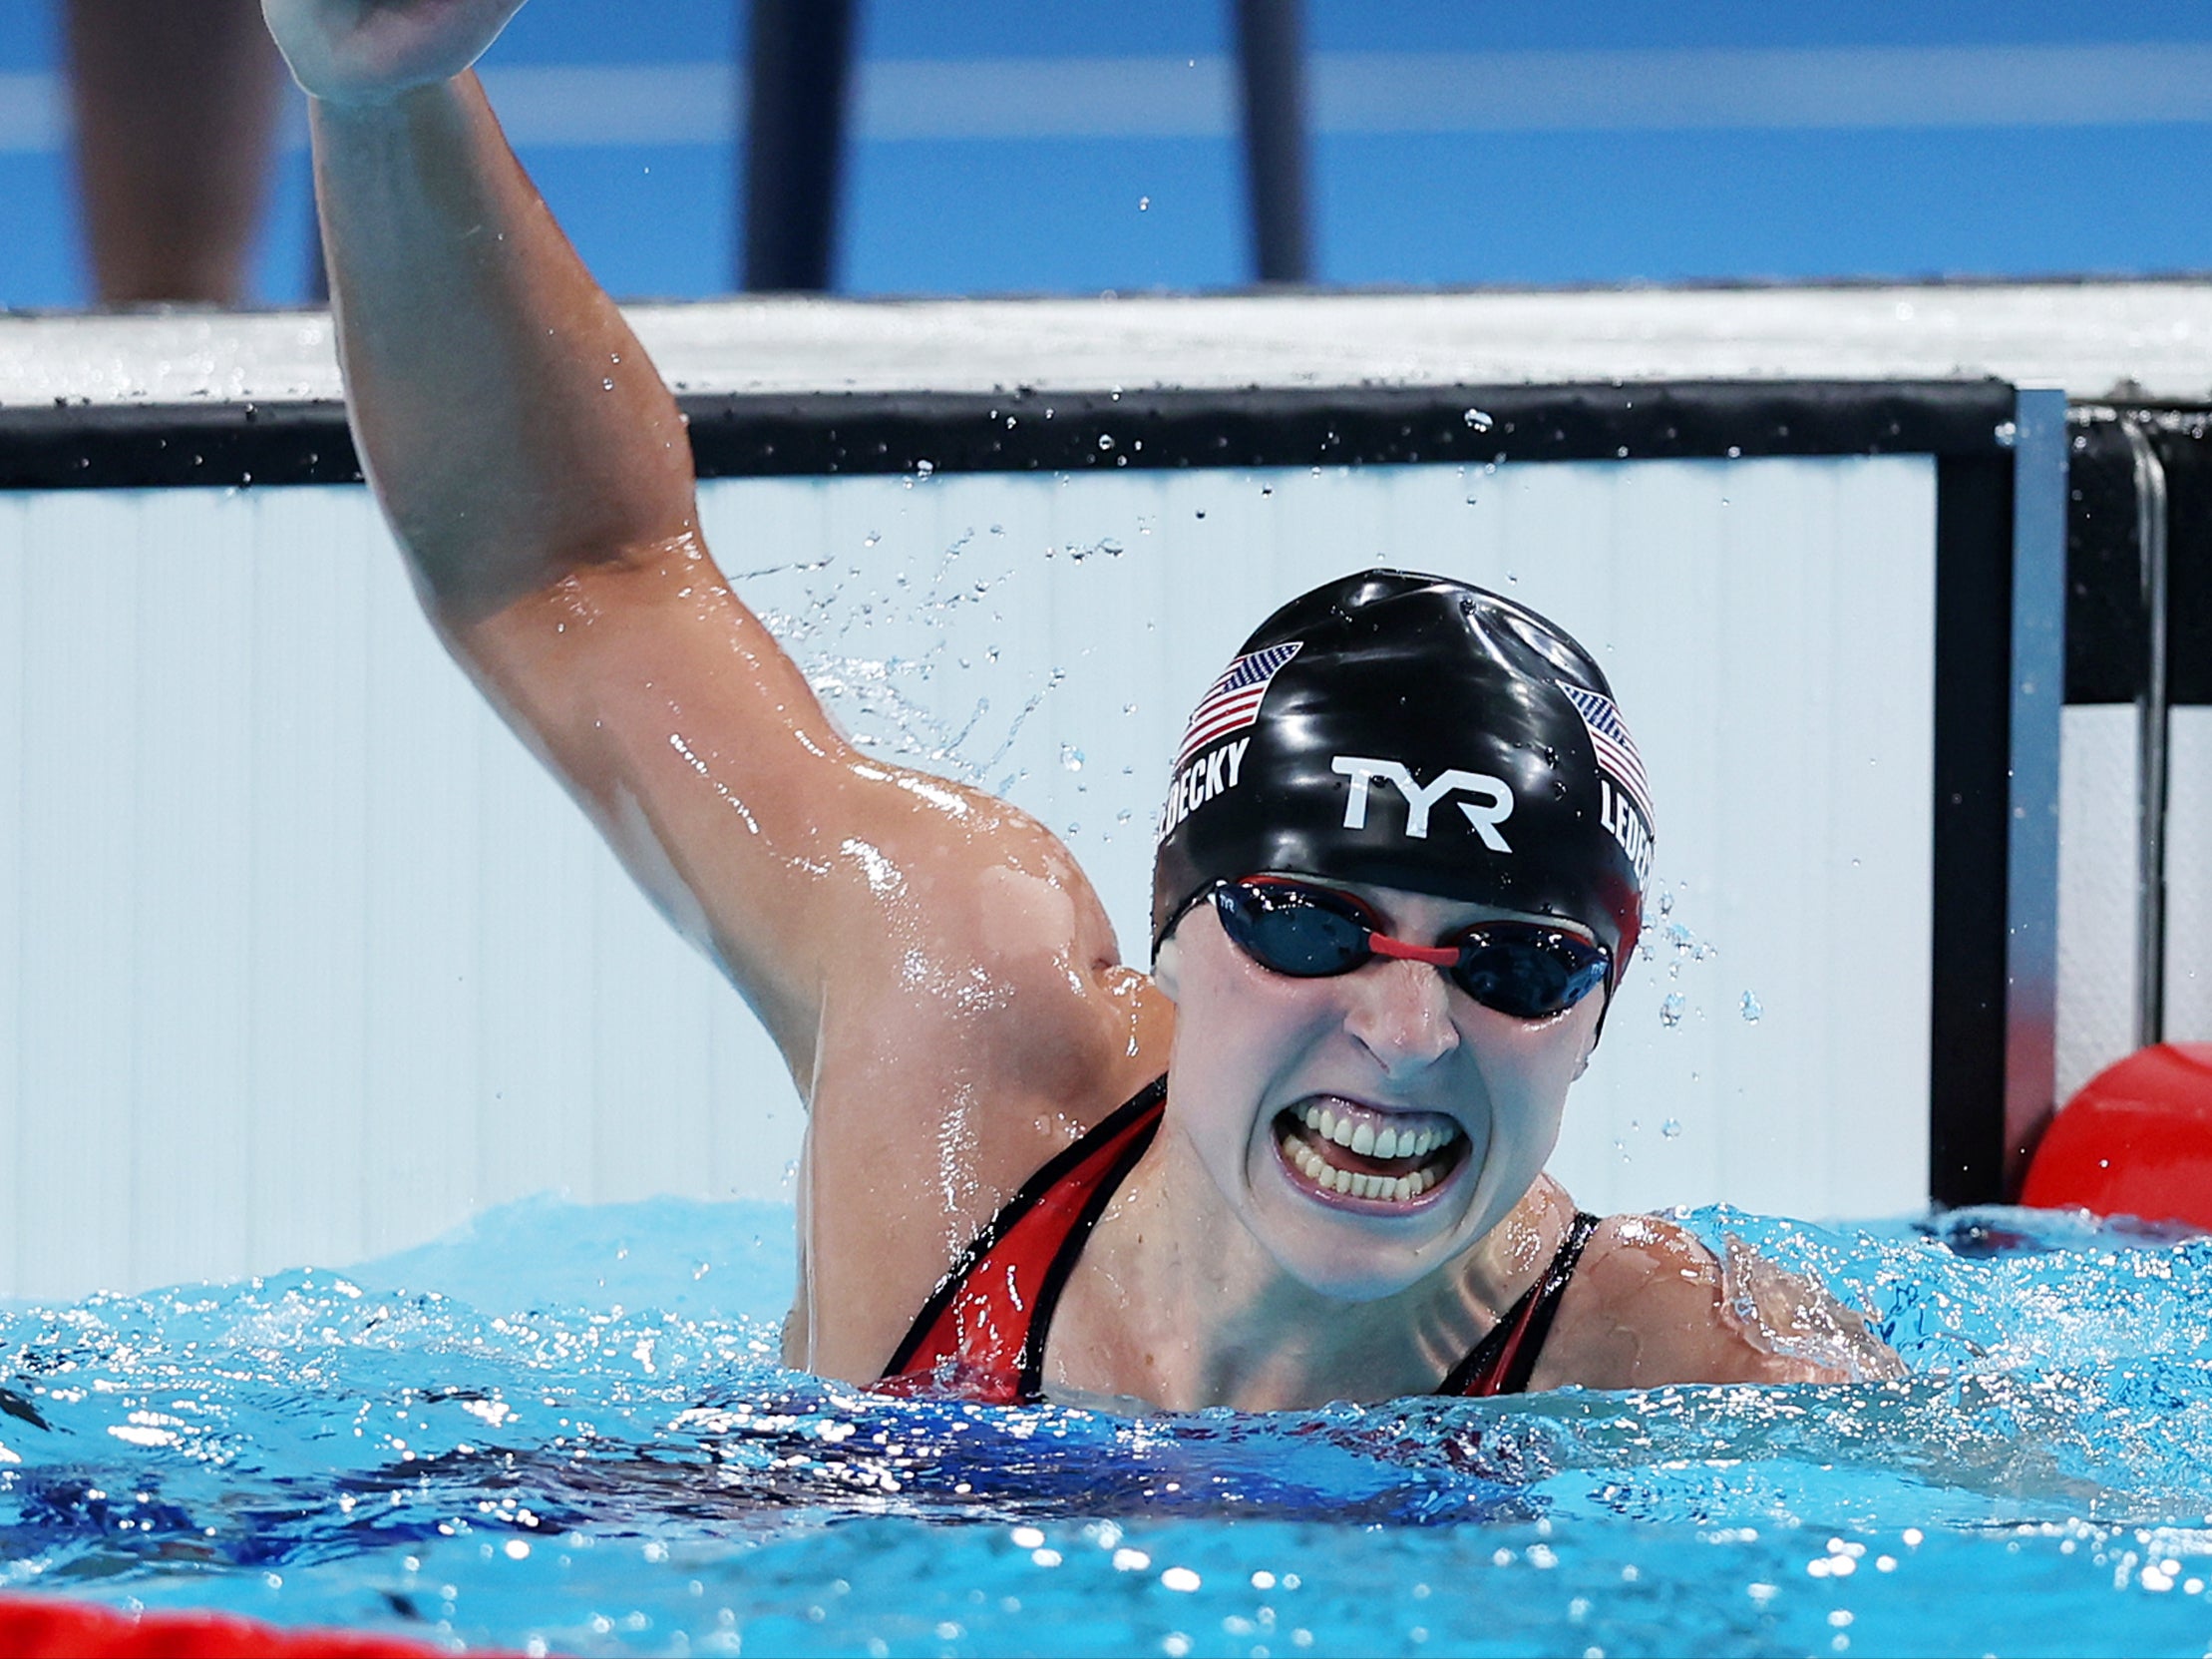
(566,1429)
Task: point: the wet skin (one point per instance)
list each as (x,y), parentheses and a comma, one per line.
(934,966)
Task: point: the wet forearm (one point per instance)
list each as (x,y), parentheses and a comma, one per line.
(510,422)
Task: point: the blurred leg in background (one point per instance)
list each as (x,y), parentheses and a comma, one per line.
(177,104)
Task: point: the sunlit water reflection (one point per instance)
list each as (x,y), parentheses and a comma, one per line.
(566,1429)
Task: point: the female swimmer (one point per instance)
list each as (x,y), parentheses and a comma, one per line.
(1399,882)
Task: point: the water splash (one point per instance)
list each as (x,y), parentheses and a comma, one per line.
(881,658)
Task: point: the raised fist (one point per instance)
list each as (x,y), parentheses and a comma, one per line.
(371,51)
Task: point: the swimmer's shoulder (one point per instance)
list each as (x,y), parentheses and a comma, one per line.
(1650,1304)
(977,993)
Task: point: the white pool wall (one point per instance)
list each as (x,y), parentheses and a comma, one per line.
(2099,872)
(311,960)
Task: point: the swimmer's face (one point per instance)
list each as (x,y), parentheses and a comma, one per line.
(1267,1069)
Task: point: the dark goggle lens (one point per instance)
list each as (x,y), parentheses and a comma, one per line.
(1528,973)
(1289,931)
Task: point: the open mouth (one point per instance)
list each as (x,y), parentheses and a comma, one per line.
(1353,1151)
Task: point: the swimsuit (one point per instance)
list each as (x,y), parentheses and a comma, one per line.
(982,1332)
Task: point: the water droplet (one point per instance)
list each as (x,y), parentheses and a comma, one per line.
(871,538)
(1123,816)
(607,384)
(1752,1009)
(1672,1128)
(1105,440)
(1671,1009)
(1144,204)
(1071,757)
(922,469)
(2007,434)
(1477,419)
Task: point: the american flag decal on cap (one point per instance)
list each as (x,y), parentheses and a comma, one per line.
(1231,702)
(1616,749)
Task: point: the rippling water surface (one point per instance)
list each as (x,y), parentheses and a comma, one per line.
(566,1431)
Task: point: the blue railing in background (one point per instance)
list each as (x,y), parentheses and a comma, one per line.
(998,148)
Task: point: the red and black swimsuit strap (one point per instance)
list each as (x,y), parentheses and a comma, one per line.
(1119,1141)
(1138,1122)
(1504,1359)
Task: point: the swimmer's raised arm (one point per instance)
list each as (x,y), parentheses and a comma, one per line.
(510,426)
(538,475)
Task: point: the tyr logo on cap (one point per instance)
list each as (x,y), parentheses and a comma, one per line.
(1493,793)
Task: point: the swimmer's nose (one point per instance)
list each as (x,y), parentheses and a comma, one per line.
(1400,1011)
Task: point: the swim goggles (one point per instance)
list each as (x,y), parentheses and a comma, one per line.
(1522,969)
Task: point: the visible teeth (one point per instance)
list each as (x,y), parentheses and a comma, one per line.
(1365,1140)
(1353,1183)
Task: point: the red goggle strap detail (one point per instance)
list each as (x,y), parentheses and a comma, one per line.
(1436,955)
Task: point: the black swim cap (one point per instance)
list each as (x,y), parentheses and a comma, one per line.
(1413,731)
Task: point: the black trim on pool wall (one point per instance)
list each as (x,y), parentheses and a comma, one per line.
(119,447)
(2108,629)
(2106,641)
(1968,860)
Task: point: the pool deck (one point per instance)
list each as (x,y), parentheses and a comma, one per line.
(2096,339)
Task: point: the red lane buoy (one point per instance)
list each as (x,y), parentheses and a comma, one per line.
(48,1627)
(2137,1141)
